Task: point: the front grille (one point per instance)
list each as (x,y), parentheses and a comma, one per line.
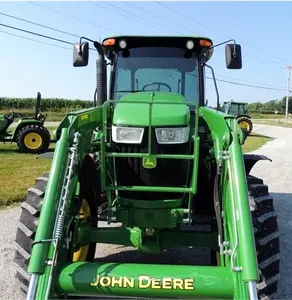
(168,172)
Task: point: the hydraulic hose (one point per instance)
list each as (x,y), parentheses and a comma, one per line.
(217,206)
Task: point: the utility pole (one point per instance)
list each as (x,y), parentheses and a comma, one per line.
(288,67)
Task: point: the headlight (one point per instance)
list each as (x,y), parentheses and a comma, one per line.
(127,135)
(190,44)
(176,135)
(123,44)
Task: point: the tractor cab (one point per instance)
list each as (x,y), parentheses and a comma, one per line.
(157,69)
(161,64)
(235,108)
(156,64)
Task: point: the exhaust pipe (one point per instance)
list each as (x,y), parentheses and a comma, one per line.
(100,95)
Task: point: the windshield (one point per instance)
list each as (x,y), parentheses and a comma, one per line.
(237,109)
(156,69)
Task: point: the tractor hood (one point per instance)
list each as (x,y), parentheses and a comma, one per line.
(137,114)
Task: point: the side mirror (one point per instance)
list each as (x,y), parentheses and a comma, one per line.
(80,54)
(233,58)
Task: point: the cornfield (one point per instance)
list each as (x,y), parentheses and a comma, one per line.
(49,104)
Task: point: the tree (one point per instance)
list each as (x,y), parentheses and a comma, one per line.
(283,102)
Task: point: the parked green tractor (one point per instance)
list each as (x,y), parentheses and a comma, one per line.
(165,170)
(239,110)
(30,134)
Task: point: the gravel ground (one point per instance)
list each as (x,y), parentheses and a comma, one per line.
(279,181)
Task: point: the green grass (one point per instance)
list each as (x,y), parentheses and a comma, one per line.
(254,142)
(266,116)
(19,171)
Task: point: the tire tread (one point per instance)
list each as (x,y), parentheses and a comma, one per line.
(27,224)
(267,239)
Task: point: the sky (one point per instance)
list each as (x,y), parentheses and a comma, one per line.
(27,67)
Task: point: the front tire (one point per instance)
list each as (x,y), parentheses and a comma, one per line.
(245,124)
(27,225)
(266,233)
(264,219)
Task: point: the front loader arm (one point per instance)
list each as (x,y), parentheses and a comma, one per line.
(238,245)
(73,144)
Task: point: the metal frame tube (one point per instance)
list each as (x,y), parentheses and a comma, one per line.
(32,287)
(252,289)
(147,280)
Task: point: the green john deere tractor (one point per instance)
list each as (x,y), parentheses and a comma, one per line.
(30,134)
(239,110)
(165,170)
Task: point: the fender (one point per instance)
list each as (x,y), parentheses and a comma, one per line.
(23,123)
(251,159)
(243,115)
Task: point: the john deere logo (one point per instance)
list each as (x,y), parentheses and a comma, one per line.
(149,162)
(84,117)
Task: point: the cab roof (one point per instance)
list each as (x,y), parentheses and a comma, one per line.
(119,37)
(111,43)
(235,102)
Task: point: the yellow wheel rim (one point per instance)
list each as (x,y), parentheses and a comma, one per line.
(33,140)
(244,124)
(81,254)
